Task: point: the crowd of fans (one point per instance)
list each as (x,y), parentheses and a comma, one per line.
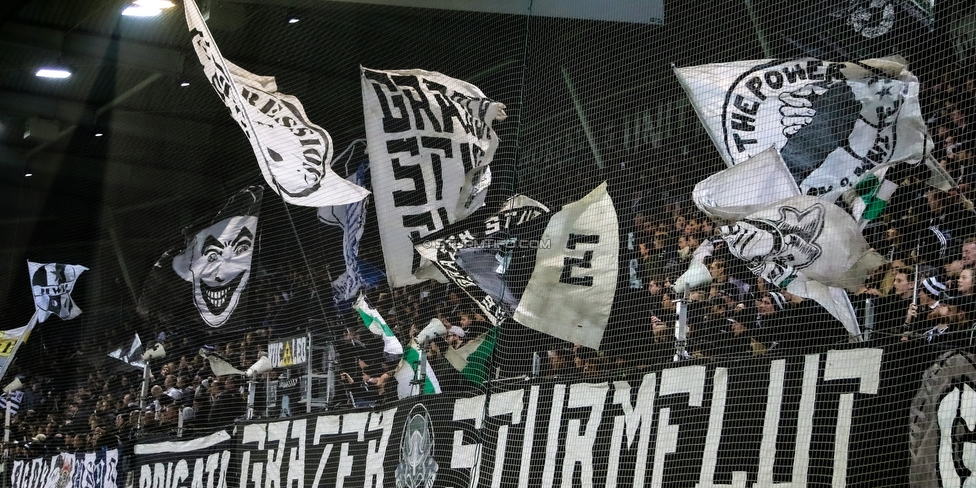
(925,296)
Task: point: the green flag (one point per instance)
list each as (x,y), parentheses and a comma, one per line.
(375,324)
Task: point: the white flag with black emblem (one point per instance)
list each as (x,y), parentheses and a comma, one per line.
(807,246)
(51,285)
(833,123)
(803,236)
(430,141)
(293,153)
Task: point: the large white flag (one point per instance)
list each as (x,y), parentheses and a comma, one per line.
(832,122)
(293,153)
(803,236)
(763,182)
(571,289)
(430,141)
(808,246)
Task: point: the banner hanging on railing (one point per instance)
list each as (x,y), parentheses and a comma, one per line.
(204,462)
(803,420)
(77,470)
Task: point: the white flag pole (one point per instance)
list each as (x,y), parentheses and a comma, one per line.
(30,326)
(681,328)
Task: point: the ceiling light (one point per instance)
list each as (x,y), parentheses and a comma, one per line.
(140,11)
(58,72)
(293,20)
(184,83)
(147,8)
(99,134)
(156,4)
(28,175)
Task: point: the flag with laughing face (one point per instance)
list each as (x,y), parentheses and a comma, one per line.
(217,258)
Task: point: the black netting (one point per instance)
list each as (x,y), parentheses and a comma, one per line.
(632,244)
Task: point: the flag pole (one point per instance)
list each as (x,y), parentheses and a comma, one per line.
(681,328)
(13,352)
(918,249)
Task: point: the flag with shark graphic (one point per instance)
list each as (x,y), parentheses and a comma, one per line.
(809,247)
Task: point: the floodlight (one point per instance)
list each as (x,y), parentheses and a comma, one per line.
(53,72)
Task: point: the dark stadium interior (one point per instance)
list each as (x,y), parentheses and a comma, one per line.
(110,167)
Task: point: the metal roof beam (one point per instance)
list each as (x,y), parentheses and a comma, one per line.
(77,44)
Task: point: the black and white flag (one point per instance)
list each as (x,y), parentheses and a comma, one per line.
(832,123)
(810,247)
(14,398)
(293,153)
(552,272)
(216,259)
(430,141)
(51,285)
(131,355)
(446,247)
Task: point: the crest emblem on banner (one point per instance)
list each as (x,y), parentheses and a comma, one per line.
(942,424)
(417,467)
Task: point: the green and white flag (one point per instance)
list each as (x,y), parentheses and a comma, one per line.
(375,323)
(472,359)
(407,372)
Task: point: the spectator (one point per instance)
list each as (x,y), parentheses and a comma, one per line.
(734,339)
(930,318)
(963,298)
(228,404)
